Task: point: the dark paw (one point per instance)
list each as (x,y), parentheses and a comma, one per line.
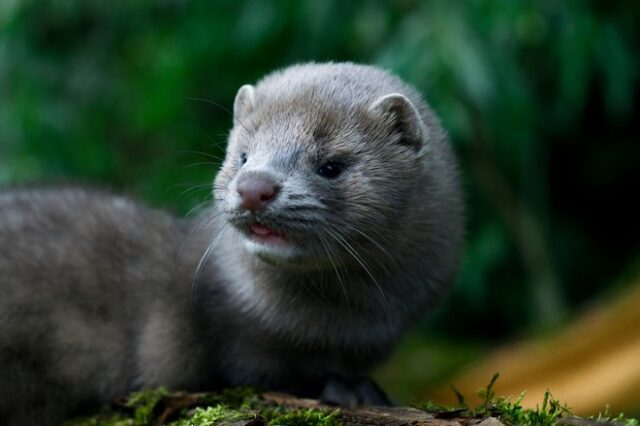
(352,393)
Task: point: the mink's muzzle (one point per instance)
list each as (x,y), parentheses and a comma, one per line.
(256,190)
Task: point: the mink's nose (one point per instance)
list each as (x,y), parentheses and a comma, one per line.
(256,192)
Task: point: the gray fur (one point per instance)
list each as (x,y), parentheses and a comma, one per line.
(101,295)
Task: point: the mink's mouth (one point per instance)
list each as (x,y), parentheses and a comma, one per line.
(270,245)
(263,234)
(285,248)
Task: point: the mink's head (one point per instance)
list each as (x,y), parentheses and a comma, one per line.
(324,166)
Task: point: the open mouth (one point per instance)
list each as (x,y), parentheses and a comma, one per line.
(272,246)
(263,234)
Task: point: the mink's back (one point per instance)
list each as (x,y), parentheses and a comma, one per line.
(81,273)
(51,241)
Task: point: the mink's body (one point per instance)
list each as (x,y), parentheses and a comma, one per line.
(336,222)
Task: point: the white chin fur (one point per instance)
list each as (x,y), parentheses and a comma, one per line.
(274,254)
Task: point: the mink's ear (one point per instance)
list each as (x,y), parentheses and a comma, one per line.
(400,117)
(244,103)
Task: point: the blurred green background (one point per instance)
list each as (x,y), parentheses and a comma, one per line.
(541,101)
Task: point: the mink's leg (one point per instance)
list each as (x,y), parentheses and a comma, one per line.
(353,392)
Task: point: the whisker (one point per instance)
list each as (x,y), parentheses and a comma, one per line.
(203,259)
(308,289)
(205,154)
(214,103)
(382,249)
(198,208)
(194,188)
(222,107)
(202,163)
(360,261)
(189,184)
(334,266)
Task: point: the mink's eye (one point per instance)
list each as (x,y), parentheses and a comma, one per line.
(243,158)
(331,169)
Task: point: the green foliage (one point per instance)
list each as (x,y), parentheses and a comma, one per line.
(539,98)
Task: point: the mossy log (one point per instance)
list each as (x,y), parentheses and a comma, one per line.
(241,407)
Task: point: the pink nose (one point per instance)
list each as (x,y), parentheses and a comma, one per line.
(256,192)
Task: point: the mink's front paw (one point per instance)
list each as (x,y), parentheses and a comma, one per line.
(352,393)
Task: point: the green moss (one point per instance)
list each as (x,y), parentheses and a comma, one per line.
(606,416)
(216,415)
(308,417)
(107,419)
(236,397)
(221,414)
(513,413)
(227,406)
(239,404)
(143,403)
